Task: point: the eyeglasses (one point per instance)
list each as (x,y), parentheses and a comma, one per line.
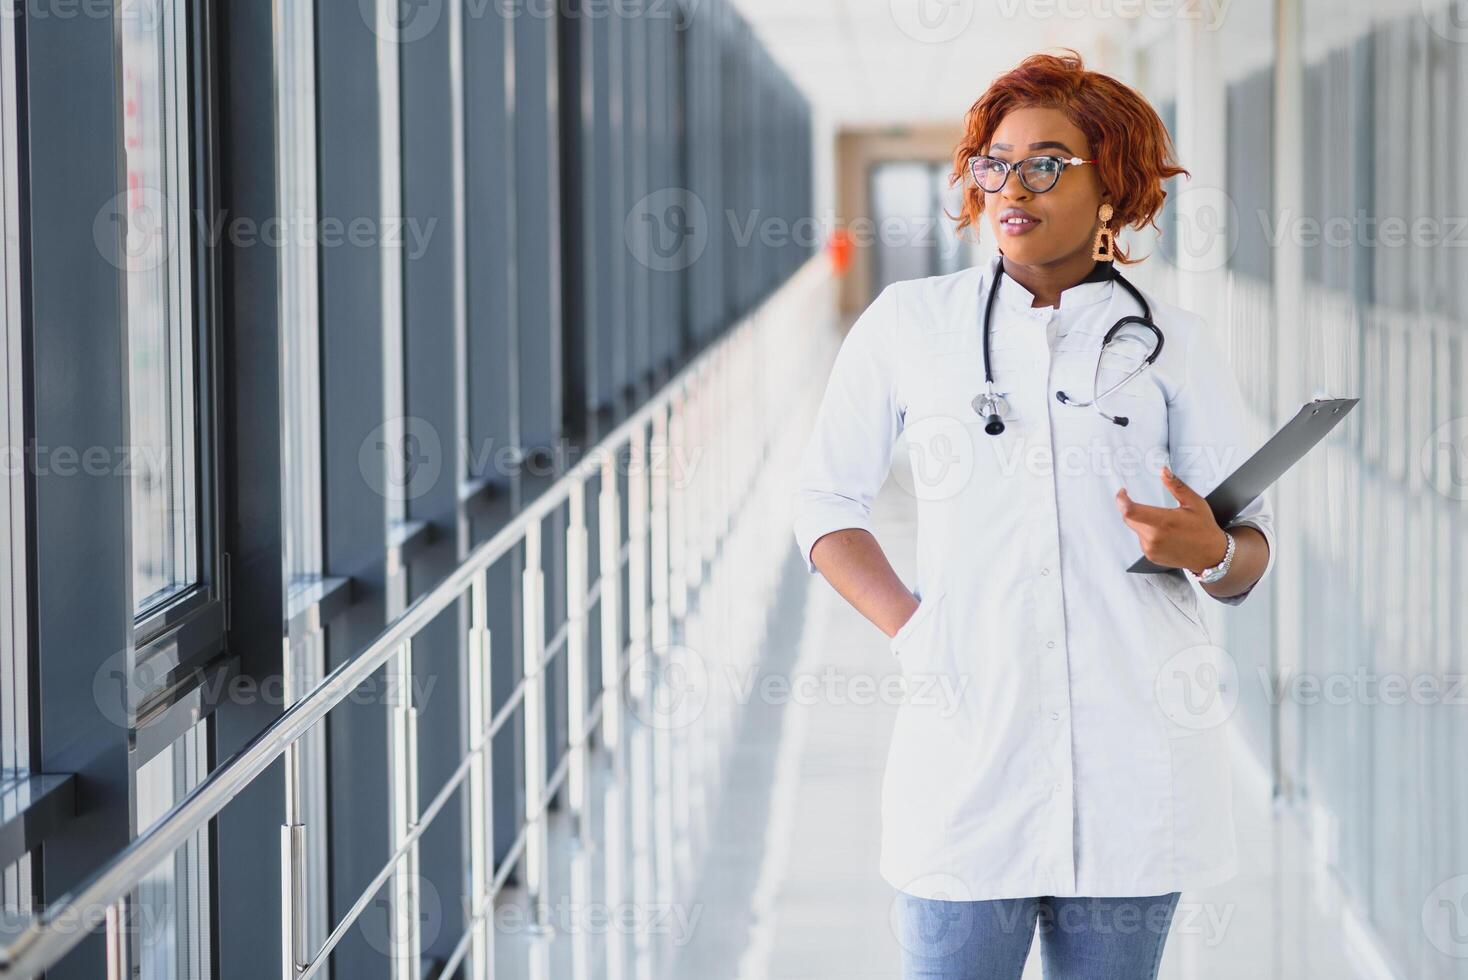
(1038,174)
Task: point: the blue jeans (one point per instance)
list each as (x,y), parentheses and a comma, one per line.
(1080,938)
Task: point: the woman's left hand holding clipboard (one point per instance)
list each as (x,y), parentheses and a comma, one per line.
(1188,536)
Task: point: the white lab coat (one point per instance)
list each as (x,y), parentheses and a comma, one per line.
(1085,753)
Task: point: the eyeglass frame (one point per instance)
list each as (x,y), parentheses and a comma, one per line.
(1065,162)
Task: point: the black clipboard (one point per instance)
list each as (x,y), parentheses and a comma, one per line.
(1311,424)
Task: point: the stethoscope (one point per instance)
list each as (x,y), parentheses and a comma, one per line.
(992,406)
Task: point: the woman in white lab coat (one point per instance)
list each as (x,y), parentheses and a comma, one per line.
(1076,780)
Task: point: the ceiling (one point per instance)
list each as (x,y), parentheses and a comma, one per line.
(881,62)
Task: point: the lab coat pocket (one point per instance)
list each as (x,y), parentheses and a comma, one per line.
(1178,591)
(920,615)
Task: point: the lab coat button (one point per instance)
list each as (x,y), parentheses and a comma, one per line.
(1051,644)
(1054,716)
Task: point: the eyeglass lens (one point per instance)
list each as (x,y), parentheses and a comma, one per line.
(1036,173)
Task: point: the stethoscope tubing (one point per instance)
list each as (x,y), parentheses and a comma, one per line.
(991,405)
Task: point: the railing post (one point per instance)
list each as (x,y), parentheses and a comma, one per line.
(660,558)
(610,554)
(614,875)
(662,629)
(690,470)
(294,897)
(294,954)
(578,562)
(481,786)
(404,938)
(693,486)
(681,410)
(643,858)
(581,898)
(537,856)
(703,464)
(724,453)
(119,964)
(639,601)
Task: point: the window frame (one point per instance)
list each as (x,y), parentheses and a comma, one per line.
(17,744)
(15,676)
(175,639)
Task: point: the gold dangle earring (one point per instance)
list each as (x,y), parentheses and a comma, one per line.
(1103,249)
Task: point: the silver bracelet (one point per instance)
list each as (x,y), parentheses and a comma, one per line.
(1209,575)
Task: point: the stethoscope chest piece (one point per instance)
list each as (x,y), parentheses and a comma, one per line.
(991,407)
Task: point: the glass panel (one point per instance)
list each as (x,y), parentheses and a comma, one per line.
(171,915)
(299,301)
(915,237)
(158,259)
(14,679)
(300,327)
(1379,752)
(902,204)
(15,880)
(1247,316)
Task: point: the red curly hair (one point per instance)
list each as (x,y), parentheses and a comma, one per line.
(1133,150)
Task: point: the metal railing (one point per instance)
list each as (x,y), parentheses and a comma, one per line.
(729,400)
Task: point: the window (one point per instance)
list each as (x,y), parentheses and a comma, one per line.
(913,196)
(171,909)
(300,320)
(15,685)
(14,645)
(179,621)
(162,353)
(300,325)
